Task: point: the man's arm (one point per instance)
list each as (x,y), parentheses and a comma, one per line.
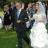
(26,18)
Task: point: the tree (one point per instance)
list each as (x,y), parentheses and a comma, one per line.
(1,3)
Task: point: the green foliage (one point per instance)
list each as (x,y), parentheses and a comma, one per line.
(47,25)
(25,1)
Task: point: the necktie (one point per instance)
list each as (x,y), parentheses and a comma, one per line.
(17,14)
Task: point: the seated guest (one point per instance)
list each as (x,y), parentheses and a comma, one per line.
(7,16)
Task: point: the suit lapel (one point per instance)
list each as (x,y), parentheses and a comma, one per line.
(16,14)
(19,15)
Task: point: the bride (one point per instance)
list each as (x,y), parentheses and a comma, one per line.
(38,35)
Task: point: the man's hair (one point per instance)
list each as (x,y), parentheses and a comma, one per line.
(8,4)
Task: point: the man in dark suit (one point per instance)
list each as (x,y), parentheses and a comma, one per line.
(21,18)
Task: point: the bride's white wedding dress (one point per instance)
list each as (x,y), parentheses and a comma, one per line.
(38,35)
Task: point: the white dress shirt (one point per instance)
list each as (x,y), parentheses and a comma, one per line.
(18,13)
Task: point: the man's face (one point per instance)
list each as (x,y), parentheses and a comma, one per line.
(6,8)
(34,7)
(18,6)
(29,5)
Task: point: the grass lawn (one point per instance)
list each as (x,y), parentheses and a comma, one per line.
(8,39)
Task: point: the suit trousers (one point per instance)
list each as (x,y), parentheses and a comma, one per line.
(22,35)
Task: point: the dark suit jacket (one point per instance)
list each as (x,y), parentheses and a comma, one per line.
(23,17)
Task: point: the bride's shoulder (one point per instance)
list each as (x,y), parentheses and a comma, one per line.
(38,14)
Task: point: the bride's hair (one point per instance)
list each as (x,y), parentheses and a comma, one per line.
(41,8)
